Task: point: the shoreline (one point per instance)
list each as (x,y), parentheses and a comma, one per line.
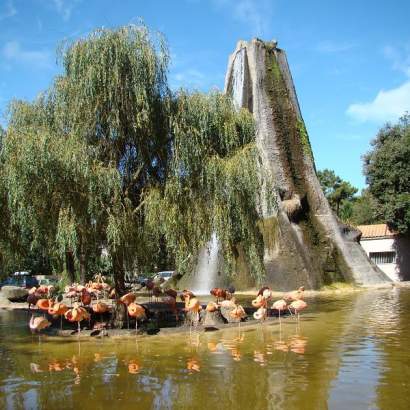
(326,291)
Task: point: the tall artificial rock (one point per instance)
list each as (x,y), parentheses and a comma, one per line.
(304,244)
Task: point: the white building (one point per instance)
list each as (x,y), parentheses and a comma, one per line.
(389,251)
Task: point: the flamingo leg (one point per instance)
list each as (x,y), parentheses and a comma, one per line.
(79,328)
(128,320)
(136,326)
(61,322)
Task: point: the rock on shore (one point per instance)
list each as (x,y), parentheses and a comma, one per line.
(13,293)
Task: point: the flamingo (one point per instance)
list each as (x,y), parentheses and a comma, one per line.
(44,304)
(267,294)
(280,305)
(259,302)
(219,294)
(85,297)
(137,311)
(127,300)
(228,304)
(157,292)
(71,292)
(186,294)
(295,295)
(100,308)
(58,309)
(32,299)
(38,323)
(212,307)
(261,290)
(150,286)
(77,314)
(260,314)
(238,313)
(112,293)
(193,306)
(298,306)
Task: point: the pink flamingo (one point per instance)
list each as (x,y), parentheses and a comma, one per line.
(295,295)
(298,306)
(280,306)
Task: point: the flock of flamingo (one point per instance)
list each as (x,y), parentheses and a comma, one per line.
(92,298)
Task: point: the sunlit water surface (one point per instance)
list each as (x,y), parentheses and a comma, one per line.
(349,352)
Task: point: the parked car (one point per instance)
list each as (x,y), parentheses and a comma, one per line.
(165,275)
(24,281)
(48,281)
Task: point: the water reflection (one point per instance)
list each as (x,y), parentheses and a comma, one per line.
(346,351)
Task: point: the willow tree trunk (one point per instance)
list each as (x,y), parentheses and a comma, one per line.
(69,265)
(304,243)
(119,273)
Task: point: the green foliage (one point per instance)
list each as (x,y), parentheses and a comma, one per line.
(290,130)
(387,170)
(304,138)
(339,193)
(109,157)
(365,210)
(213,182)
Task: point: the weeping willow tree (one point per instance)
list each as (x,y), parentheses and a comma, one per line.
(109,156)
(54,186)
(212,182)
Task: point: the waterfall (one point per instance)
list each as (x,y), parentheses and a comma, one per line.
(238,79)
(207,268)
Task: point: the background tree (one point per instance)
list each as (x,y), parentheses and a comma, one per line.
(339,193)
(365,210)
(387,171)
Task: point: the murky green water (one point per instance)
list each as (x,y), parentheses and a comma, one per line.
(350,352)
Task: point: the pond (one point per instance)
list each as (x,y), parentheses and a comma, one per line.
(349,351)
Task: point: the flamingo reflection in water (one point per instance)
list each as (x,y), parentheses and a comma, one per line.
(259,357)
(193,365)
(295,344)
(133,366)
(38,324)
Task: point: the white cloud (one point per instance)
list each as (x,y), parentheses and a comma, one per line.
(387,105)
(331,47)
(12,51)
(400,57)
(65,7)
(8,10)
(255,13)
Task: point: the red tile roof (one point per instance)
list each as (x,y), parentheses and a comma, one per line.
(375,231)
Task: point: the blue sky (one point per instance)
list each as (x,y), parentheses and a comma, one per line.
(350,60)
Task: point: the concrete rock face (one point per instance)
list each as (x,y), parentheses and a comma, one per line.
(14,293)
(304,243)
